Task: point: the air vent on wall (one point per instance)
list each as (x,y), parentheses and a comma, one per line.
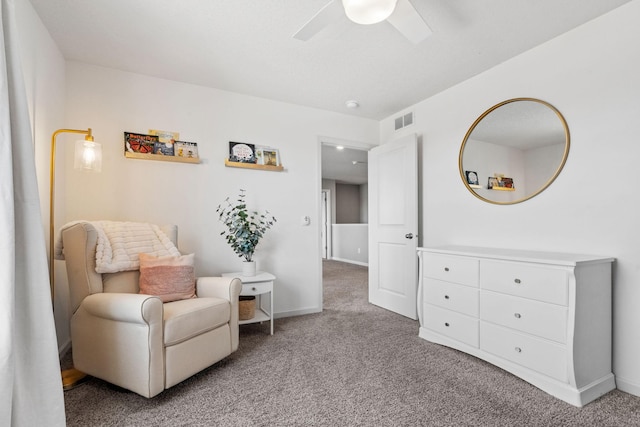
(403,121)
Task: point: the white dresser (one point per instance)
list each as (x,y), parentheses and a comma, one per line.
(545,317)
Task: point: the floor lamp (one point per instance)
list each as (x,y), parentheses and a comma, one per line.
(88,157)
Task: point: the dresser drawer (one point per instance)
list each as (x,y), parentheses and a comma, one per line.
(539,355)
(525,280)
(462,299)
(455,269)
(538,318)
(451,324)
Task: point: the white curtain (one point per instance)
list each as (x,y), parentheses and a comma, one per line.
(30,382)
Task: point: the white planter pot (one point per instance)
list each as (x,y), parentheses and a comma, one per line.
(249,268)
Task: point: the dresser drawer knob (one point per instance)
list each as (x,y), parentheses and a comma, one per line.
(446,269)
(446,297)
(518,350)
(253,289)
(446,324)
(518,281)
(517,315)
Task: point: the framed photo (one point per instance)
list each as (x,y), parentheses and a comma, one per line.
(506,182)
(139,143)
(186,149)
(241,152)
(166,140)
(270,157)
(472,177)
(493,182)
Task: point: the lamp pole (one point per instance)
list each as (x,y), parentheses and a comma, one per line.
(70,377)
(52,180)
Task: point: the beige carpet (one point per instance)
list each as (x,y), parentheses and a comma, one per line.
(354,364)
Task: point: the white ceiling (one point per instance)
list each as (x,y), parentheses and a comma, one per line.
(245,46)
(338,165)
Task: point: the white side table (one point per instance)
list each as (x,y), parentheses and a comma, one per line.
(258,285)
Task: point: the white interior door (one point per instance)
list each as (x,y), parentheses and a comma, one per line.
(393,226)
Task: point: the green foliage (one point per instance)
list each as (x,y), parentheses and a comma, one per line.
(244,228)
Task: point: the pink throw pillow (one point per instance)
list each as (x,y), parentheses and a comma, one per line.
(170,278)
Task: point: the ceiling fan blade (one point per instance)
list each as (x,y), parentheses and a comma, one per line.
(408,21)
(328,14)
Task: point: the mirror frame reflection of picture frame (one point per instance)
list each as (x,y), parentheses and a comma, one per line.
(470,180)
(492,182)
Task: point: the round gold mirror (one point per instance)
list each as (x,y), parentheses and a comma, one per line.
(513,151)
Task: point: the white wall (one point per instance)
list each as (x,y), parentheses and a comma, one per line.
(350,243)
(112,102)
(43,68)
(591,76)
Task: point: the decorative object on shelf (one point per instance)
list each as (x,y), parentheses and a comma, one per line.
(472,179)
(161,146)
(267,156)
(241,152)
(500,182)
(245,228)
(139,143)
(247,307)
(186,149)
(166,139)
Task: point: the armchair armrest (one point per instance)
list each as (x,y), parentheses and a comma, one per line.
(219,287)
(118,337)
(121,307)
(228,288)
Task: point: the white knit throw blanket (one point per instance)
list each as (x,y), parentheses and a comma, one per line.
(120,243)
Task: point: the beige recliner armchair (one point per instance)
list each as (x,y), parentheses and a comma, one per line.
(136,341)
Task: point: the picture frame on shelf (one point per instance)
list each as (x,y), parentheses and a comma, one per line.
(492,183)
(241,152)
(166,141)
(139,143)
(270,156)
(186,149)
(472,179)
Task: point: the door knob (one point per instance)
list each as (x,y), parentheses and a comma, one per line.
(409,235)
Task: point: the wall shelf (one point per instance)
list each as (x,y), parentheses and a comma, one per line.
(160,157)
(503,189)
(229,164)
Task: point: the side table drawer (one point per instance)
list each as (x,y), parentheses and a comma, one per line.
(256,288)
(449,323)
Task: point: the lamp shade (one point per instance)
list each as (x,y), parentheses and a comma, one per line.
(88,156)
(368,11)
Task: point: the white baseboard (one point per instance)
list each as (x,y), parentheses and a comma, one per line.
(364,264)
(628,386)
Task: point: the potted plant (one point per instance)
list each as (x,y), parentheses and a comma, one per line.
(244,229)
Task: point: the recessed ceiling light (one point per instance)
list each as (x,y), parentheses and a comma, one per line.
(352,104)
(339,147)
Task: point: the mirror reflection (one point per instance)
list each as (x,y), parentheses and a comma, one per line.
(514,150)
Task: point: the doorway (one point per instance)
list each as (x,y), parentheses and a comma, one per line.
(344,202)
